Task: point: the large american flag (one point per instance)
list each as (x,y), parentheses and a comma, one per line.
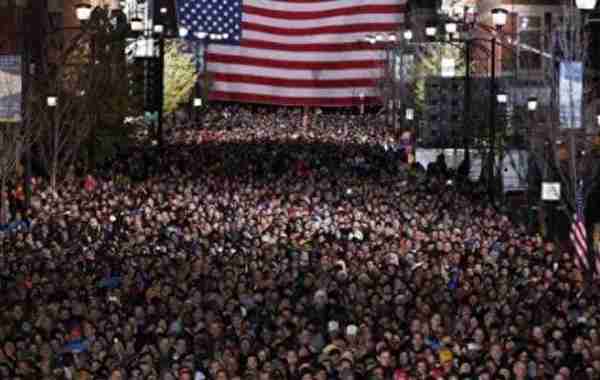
(294,52)
(578,232)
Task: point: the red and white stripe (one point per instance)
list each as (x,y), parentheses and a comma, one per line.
(579,239)
(305,52)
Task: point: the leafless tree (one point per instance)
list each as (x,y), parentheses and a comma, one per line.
(89,78)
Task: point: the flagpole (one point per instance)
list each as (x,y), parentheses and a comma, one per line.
(573,163)
(577,188)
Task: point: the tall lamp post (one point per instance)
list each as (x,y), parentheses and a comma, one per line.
(84,14)
(158,30)
(52,102)
(197,105)
(409,116)
(532,105)
(499,19)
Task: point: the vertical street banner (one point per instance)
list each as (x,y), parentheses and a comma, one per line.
(571,94)
(10,89)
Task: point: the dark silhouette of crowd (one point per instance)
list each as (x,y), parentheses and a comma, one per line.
(258,249)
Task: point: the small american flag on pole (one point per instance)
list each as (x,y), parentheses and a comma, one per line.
(293,52)
(578,232)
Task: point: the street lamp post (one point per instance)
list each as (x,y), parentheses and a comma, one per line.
(52,102)
(362,104)
(532,105)
(197,104)
(499,18)
(84,14)
(409,116)
(158,32)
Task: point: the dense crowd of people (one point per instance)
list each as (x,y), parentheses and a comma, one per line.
(255,249)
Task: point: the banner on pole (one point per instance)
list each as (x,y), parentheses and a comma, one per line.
(10,88)
(571,94)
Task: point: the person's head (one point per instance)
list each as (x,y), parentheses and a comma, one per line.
(117,374)
(520,370)
(422,367)
(214,367)
(306,375)
(181,346)
(384,357)
(565,372)
(378,373)
(417,341)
